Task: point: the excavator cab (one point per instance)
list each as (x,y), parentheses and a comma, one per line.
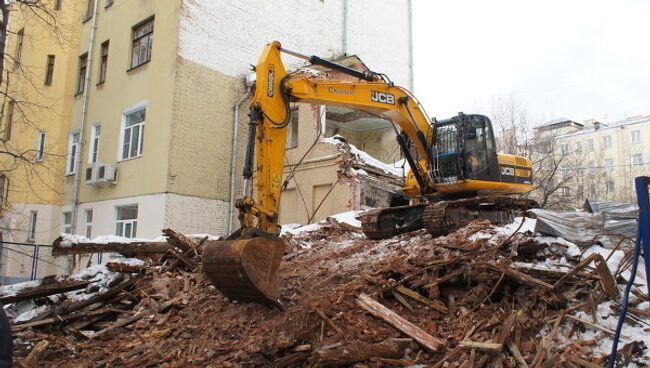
(464,148)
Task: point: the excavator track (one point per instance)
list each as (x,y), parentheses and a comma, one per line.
(383,223)
(443,217)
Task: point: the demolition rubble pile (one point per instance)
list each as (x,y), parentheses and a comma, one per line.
(483,296)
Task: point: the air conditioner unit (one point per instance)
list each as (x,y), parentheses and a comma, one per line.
(106,173)
(91,175)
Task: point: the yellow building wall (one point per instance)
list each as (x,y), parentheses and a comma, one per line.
(40,107)
(151,83)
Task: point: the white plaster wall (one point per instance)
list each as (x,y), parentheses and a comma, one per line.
(228,35)
(151,214)
(195,215)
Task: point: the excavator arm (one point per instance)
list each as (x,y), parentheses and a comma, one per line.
(270,114)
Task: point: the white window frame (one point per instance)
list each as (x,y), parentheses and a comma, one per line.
(590,144)
(634,158)
(40,146)
(66,227)
(93,150)
(565,149)
(31,226)
(133,223)
(578,147)
(89,222)
(607,142)
(608,163)
(71,161)
(610,188)
(135,108)
(635,136)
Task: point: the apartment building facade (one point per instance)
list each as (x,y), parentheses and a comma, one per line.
(596,160)
(41,57)
(156,88)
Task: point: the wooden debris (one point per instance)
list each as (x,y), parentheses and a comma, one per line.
(125,249)
(356,351)
(126,268)
(522,277)
(36,352)
(426,301)
(488,347)
(607,281)
(329,321)
(380,311)
(43,290)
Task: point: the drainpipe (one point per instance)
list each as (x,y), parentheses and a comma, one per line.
(410,19)
(234,149)
(344,32)
(84,113)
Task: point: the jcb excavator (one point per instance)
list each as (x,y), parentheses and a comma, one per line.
(455,174)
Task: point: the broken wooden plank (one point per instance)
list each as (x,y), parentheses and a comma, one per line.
(514,350)
(357,351)
(522,277)
(120,323)
(126,249)
(36,352)
(596,326)
(43,291)
(424,300)
(487,347)
(329,321)
(125,267)
(607,281)
(380,311)
(181,241)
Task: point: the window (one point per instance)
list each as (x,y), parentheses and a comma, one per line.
(590,168)
(142,42)
(608,162)
(67,223)
(81,78)
(635,136)
(6,131)
(133,134)
(637,159)
(565,149)
(89,223)
(607,141)
(103,62)
(90,8)
(566,191)
(578,147)
(94,143)
(57,4)
(4,190)
(73,154)
(592,189)
(40,146)
(610,186)
(564,172)
(590,144)
(127,221)
(20,36)
(31,226)
(292,129)
(49,70)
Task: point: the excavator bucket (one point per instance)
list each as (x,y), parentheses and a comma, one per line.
(245,269)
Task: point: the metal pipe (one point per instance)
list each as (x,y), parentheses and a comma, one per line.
(84,113)
(233,155)
(410,62)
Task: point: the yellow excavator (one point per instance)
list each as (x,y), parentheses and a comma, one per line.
(455,175)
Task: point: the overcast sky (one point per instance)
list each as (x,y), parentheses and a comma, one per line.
(560,58)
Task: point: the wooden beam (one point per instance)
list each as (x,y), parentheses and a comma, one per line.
(380,311)
(440,307)
(487,347)
(126,249)
(43,290)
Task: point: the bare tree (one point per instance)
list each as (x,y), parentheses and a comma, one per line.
(515,132)
(21,97)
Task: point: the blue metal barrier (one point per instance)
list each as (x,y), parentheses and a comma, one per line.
(642,237)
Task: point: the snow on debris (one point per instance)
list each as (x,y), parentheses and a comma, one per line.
(344,217)
(363,157)
(9,290)
(70,239)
